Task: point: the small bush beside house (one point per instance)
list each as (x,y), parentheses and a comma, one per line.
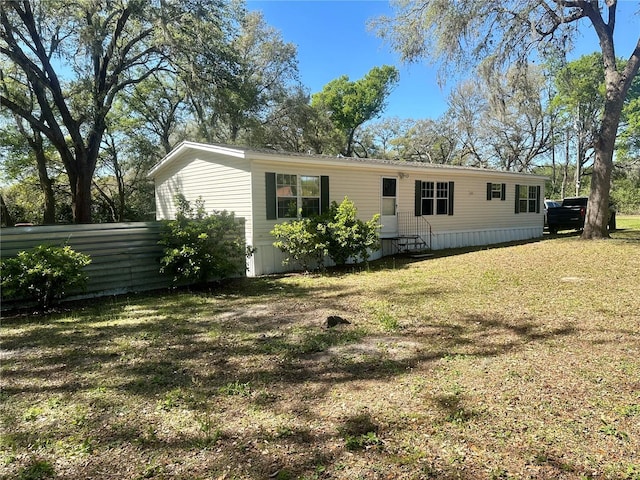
(199,247)
(345,236)
(338,234)
(299,240)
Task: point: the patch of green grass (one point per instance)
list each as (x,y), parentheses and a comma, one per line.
(613,431)
(211,433)
(362,441)
(629,410)
(360,432)
(32,413)
(171,399)
(628,222)
(36,470)
(382,312)
(236,389)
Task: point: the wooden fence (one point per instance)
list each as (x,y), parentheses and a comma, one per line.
(125,257)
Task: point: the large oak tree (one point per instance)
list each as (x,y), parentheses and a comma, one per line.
(77,57)
(464,32)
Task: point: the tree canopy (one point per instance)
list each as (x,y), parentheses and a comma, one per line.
(66,63)
(351,103)
(94,92)
(463,33)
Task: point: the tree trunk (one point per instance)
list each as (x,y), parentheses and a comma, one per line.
(349,151)
(5,217)
(595,225)
(565,169)
(81,201)
(579,163)
(554,179)
(37,145)
(597,219)
(122,200)
(49,214)
(616,87)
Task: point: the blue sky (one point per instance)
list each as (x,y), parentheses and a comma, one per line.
(333,40)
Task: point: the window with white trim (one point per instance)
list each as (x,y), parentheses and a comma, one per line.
(528,199)
(309,195)
(442,201)
(435,198)
(297,194)
(427,198)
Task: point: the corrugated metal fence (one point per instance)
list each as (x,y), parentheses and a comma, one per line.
(124,256)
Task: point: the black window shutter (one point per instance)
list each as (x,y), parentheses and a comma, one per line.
(418,199)
(324,194)
(450,198)
(272,212)
(517,198)
(489,190)
(538,199)
(503,194)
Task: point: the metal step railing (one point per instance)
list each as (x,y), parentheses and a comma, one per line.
(414,234)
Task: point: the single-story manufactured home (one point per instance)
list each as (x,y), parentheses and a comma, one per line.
(421,205)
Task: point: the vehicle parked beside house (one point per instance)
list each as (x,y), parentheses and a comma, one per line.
(582,202)
(559,216)
(570,214)
(547,205)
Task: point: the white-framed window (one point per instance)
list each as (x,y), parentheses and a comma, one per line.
(442,198)
(435,198)
(309,195)
(496,191)
(428,198)
(297,194)
(528,199)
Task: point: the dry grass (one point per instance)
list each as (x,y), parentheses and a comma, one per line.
(514,362)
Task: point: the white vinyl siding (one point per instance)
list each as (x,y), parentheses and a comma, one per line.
(474,222)
(472,211)
(223,183)
(236,182)
(341,183)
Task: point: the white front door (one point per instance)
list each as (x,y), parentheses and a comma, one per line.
(388,206)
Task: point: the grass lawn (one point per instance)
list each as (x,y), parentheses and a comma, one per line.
(520,361)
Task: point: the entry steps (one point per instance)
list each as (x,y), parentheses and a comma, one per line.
(409,243)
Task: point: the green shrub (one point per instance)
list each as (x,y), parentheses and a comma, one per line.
(46,273)
(200,246)
(345,236)
(300,241)
(337,233)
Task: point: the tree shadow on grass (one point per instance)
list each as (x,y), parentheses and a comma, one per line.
(626,234)
(219,356)
(155,354)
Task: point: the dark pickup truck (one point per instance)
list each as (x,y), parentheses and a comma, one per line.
(570,214)
(561,216)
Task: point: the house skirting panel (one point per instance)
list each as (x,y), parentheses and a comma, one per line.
(268,260)
(471,238)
